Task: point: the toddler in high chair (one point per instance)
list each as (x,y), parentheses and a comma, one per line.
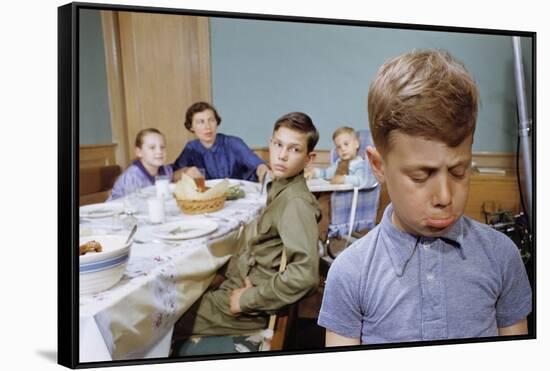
(350,167)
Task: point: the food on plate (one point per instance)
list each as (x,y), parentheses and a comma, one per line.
(186,189)
(234,192)
(90,246)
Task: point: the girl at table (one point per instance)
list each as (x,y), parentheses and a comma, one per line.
(221,156)
(149,162)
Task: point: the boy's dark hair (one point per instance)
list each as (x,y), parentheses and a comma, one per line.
(196,108)
(423,93)
(142,133)
(300,122)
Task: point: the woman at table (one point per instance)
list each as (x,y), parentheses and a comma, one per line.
(221,156)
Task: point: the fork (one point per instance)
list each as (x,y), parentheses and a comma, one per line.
(207,215)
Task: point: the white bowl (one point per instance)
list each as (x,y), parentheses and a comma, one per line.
(101,270)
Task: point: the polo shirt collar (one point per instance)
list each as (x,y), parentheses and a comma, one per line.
(401,245)
(144,171)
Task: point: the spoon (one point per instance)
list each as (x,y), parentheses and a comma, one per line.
(134,229)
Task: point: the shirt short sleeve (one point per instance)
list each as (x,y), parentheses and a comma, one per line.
(515,300)
(341,308)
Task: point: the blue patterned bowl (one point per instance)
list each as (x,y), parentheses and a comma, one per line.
(101,270)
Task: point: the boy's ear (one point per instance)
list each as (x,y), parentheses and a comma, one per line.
(138,152)
(310,158)
(375,161)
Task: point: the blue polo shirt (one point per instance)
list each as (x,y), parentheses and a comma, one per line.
(391,286)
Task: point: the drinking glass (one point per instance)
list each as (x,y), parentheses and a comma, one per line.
(201,181)
(161,185)
(156,210)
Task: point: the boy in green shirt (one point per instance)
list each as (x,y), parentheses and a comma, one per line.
(254,287)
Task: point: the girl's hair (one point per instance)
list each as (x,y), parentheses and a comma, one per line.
(142,133)
(346,130)
(423,93)
(196,108)
(302,123)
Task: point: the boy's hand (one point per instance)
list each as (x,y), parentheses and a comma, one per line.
(261,171)
(192,171)
(338,179)
(235,295)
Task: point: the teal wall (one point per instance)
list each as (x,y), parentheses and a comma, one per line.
(94,114)
(262,70)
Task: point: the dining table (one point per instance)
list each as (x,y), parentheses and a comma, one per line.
(134,318)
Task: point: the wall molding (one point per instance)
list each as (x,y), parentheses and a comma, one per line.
(92,155)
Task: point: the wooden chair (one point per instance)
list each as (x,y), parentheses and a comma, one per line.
(95,183)
(259,341)
(274,338)
(283,325)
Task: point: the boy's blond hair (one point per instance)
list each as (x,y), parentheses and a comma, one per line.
(422,93)
(345,130)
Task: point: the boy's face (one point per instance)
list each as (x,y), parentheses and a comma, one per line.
(346,146)
(288,153)
(427,182)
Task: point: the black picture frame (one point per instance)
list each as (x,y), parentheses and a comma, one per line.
(68,175)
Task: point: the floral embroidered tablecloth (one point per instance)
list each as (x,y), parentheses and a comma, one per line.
(162,280)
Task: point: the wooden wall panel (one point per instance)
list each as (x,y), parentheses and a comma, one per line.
(496,192)
(92,155)
(166,61)
(157,66)
(115,83)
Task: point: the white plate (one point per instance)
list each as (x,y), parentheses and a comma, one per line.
(249,188)
(101,210)
(185,229)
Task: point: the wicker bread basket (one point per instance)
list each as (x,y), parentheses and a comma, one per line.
(201,206)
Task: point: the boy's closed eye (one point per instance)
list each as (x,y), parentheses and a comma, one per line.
(458,172)
(420,177)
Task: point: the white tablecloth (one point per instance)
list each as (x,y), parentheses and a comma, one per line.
(135,318)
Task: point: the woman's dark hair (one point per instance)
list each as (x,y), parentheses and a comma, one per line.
(196,108)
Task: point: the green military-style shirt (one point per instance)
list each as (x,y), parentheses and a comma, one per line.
(288,222)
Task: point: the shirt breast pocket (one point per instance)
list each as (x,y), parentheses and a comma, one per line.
(265,225)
